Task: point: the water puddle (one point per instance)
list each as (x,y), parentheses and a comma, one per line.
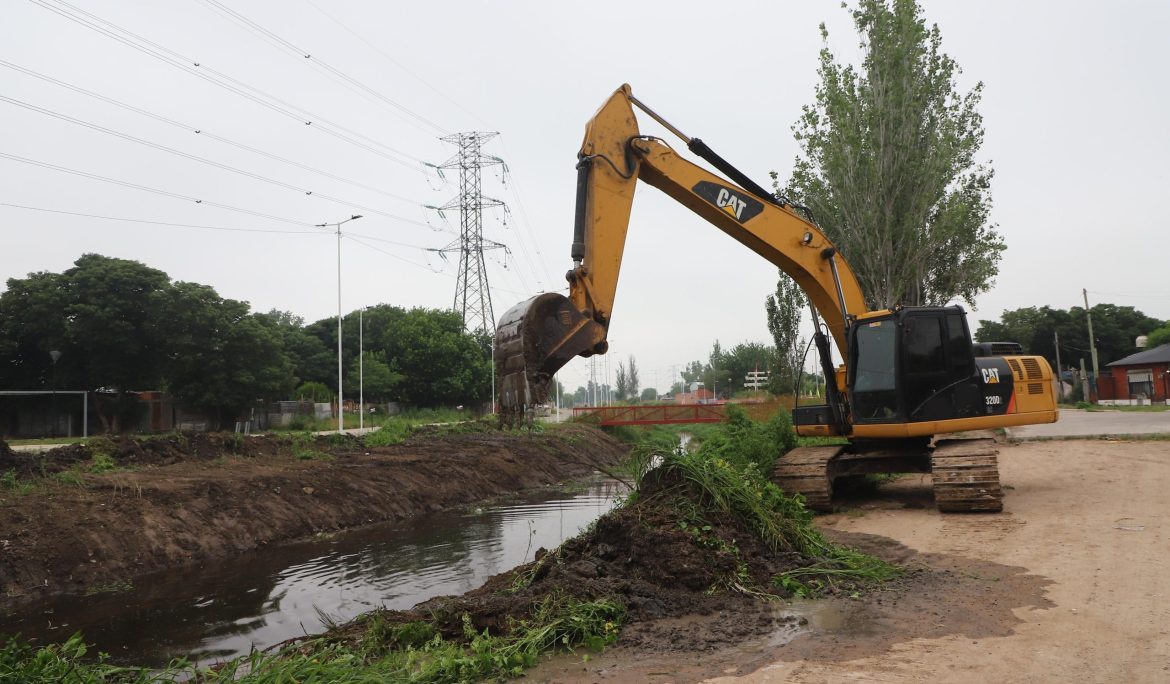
(226,609)
(821,616)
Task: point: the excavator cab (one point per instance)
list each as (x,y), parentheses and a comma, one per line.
(912,365)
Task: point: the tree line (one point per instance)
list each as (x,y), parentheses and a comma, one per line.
(1037,329)
(120,326)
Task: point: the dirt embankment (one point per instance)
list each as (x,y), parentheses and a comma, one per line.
(208,497)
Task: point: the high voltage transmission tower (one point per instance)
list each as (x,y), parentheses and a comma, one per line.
(473,299)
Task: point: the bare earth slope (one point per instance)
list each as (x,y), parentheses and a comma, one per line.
(209,497)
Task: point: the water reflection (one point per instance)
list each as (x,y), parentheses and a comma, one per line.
(208,612)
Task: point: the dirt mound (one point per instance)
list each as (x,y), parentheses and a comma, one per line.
(669,554)
(132,452)
(139,506)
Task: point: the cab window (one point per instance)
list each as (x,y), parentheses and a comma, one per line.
(875,395)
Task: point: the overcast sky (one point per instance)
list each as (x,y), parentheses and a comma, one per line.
(1075,110)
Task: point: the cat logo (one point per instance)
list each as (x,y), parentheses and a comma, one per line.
(738,206)
(730,203)
(990,376)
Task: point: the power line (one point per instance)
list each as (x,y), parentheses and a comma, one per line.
(200,131)
(195,68)
(144,188)
(162,223)
(302,55)
(350,236)
(525,221)
(209,162)
(1144,295)
(393,61)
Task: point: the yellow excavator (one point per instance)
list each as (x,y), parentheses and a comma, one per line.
(908,374)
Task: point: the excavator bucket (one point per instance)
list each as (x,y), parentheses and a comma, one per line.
(534,340)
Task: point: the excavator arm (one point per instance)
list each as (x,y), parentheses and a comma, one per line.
(537,337)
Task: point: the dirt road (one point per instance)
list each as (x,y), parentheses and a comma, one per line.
(1070,583)
(1077,423)
(1092,517)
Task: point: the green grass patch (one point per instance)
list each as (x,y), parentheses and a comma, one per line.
(12,483)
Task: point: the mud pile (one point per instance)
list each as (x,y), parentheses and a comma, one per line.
(668,554)
(133,452)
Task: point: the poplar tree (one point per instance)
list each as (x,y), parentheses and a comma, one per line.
(888,164)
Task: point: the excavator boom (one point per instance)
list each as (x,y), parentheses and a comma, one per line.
(537,337)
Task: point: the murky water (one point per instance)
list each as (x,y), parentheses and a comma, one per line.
(228,608)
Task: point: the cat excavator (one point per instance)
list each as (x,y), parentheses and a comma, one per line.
(908,375)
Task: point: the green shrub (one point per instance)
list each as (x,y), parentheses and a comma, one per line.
(742,440)
(102,463)
(394,432)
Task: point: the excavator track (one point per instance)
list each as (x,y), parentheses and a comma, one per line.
(965,472)
(808,471)
(966,476)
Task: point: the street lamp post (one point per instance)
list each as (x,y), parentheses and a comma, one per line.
(340,401)
(55,355)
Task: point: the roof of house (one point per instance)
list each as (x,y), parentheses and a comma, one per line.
(1155,355)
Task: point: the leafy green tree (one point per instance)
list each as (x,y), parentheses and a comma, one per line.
(440,362)
(1158,337)
(311,359)
(744,358)
(649,394)
(103,315)
(632,380)
(784,310)
(1116,329)
(316,392)
(220,357)
(888,164)
(373,378)
(621,383)
(693,372)
(32,323)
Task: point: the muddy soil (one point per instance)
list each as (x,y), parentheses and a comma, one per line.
(709,573)
(187,499)
(1067,584)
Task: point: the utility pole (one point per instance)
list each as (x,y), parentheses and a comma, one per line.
(1084,380)
(473,299)
(1092,339)
(361,370)
(340,401)
(1059,379)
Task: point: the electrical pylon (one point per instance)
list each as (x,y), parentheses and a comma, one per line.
(473,299)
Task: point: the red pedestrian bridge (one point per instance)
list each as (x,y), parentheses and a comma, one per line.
(667,414)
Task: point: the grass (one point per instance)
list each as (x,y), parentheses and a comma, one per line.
(730,468)
(379,420)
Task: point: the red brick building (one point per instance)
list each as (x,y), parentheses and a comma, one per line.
(1139,378)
